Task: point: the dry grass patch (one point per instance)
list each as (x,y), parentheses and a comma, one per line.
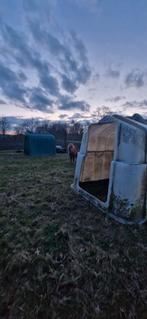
(59,258)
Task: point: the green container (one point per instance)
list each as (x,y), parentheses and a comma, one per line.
(39,144)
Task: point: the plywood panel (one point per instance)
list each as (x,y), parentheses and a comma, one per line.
(101,137)
(96,166)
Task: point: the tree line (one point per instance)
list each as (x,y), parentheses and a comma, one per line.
(35,126)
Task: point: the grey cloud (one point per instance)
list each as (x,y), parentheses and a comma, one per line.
(40,101)
(27,56)
(96,77)
(95,6)
(84,71)
(135,78)
(55,46)
(22,76)
(136,104)
(17,43)
(78,69)
(47,39)
(76,116)
(63,116)
(113,73)
(2,102)
(79,46)
(68,84)
(85,120)
(15,92)
(6,75)
(23,54)
(68,104)
(9,84)
(33,6)
(83,74)
(92,90)
(49,82)
(30,5)
(115,99)
(11,88)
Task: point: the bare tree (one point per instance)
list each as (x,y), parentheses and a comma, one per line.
(18,130)
(4,125)
(59,129)
(76,127)
(29,126)
(43,127)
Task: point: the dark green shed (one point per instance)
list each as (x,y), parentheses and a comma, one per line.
(39,144)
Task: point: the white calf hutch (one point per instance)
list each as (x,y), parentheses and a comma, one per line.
(111,169)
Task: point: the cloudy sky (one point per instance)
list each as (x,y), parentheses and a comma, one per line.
(64,58)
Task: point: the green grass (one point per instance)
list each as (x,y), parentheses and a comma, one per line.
(59,257)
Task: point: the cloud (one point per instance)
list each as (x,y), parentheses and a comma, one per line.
(40,101)
(22,76)
(68,84)
(10,86)
(63,116)
(142,105)
(52,43)
(34,6)
(113,73)
(77,69)
(96,77)
(24,53)
(115,99)
(30,5)
(78,116)
(83,74)
(49,82)
(16,41)
(2,102)
(95,6)
(135,78)
(44,37)
(66,103)
(79,46)
(13,90)
(56,63)
(92,90)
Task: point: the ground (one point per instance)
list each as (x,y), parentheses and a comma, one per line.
(59,257)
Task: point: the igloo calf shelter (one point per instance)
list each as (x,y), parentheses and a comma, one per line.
(111,169)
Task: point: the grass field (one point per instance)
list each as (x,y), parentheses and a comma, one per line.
(60,258)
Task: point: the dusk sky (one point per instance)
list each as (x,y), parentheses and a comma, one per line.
(64,58)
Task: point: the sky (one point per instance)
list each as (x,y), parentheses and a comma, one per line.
(62,59)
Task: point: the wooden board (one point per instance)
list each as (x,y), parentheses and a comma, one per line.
(96,166)
(101,137)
